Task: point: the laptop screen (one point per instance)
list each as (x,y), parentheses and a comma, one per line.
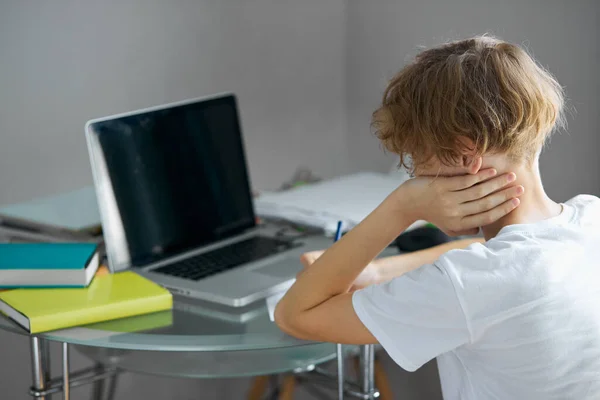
(171,179)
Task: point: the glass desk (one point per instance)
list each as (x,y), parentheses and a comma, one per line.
(195,340)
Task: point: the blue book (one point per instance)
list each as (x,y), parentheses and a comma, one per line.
(48,264)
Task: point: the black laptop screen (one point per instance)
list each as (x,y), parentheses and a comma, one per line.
(178,176)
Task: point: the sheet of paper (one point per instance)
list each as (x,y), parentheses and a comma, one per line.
(348,198)
(272,303)
(74,210)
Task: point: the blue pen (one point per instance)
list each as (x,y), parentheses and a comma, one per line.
(339,350)
(338,232)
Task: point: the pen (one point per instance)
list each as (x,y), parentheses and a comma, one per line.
(338,232)
(339,350)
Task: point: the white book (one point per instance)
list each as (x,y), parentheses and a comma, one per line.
(73,212)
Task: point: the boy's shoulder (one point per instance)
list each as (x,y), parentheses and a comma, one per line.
(523,263)
(587,208)
(519,251)
(584,200)
(475,256)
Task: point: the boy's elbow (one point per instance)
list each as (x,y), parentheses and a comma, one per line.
(286,320)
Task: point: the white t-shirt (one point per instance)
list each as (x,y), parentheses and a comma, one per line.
(515,318)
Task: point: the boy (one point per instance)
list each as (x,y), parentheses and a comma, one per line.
(515,317)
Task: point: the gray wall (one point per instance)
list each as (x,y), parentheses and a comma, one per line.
(63,62)
(563,35)
(308,75)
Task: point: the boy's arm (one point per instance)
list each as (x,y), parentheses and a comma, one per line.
(320,294)
(387,268)
(318,305)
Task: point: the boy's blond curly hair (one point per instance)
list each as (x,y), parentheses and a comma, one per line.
(483,89)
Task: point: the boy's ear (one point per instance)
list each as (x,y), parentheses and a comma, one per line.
(472,164)
(470,161)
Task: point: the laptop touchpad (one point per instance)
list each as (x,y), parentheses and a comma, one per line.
(287,269)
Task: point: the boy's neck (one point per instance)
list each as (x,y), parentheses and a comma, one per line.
(535,204)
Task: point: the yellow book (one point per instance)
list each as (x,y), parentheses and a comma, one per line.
(137,323)
(108,297)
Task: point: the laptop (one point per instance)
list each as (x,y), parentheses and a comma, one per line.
(176,206)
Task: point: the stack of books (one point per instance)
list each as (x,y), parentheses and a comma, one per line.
(61,285)
(51,268)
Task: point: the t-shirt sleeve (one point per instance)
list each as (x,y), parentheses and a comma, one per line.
(415,317)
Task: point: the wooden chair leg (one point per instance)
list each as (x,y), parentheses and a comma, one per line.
(382,383)
(258,388)
(356,364)
(287,388)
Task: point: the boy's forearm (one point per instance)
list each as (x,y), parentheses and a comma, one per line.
(336,269)
(392,267)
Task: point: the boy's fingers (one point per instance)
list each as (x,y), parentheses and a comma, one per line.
(308,258)
(492,200)
(492,215)
(486,188)
(457,183)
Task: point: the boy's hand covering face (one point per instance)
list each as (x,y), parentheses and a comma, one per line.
(459,205)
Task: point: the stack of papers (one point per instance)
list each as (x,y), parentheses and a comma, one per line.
(63,217)
(272,302)
(348,199)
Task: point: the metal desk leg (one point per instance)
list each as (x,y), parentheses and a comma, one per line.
(275,389)
(112,387)
(340,371)
(45,347)
(65,368)
(104,389)
(39,364)
(367,367)
(98,386)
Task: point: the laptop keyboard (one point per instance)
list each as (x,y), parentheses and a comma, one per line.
(226,258)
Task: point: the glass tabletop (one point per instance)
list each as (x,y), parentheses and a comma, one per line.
(214,364)
(190,326)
